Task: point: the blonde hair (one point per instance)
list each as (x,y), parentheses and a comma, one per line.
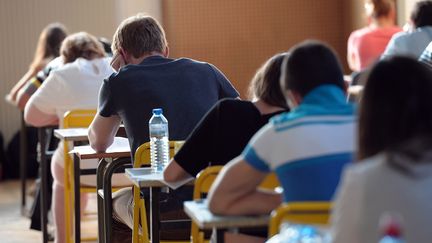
(139,35)
(83,45)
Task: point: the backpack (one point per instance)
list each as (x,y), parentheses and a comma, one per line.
(11,168)
(2,155)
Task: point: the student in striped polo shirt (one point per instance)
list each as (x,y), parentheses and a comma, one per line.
(307,147)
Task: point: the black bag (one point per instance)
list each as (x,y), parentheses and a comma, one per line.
(12,166)
(2,156)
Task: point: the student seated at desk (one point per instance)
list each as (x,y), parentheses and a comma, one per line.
(225,130)
(306,147)
(412,43)
(395,149)
(367,44)
(47,49)
(73,86)
(147,78)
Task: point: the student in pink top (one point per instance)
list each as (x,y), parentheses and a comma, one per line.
(367,44)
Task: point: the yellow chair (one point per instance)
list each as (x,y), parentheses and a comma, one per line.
(141,158)
(73,119)
(202,186)
(313,213)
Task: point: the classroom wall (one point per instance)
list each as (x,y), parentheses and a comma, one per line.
(405,7)
(238,36)
(21,22)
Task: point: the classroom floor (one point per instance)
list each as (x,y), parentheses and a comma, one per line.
(14,228)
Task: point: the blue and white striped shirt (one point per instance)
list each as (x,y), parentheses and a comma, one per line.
(307,147)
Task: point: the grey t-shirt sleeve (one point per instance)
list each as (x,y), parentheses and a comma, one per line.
(106,100)
(226,89)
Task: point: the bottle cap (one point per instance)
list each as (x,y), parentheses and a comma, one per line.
(391,224)
(157,111)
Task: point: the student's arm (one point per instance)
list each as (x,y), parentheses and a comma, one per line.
(352,58)
(174,172)
(20,84)
(104,126)
(38,118)
(26,92)
(102,131)
(236,192)
(41,108)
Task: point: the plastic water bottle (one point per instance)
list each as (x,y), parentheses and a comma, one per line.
(297,233)
(391,228)
(159,145)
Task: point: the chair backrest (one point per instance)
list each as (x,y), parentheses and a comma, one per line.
(78,118)
(312,213)
(204,181)
(142,154)
(72,119)
(202,186)
(270,182)
(207,176)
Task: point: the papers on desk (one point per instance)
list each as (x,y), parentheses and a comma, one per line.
(120,144)
(178,184)
(144,177)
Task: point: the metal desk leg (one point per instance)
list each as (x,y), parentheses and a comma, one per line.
(99,185)
(23,164)
(154,214)
(44,184)
(77,196)
(220,235)
(110,168)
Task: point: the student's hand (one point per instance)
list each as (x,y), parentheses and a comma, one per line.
(9,99)
(117,61)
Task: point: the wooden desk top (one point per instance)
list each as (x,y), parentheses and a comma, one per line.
(72,134)
(81,133)
(201,215)
(119,149)
(144,177)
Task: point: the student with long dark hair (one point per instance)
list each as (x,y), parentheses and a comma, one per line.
(48,48)
(395,152)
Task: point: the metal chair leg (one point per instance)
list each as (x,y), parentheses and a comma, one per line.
(100,208)
(107,190)
(44,183)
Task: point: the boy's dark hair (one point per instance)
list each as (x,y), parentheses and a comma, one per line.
(309,65)
(422,14)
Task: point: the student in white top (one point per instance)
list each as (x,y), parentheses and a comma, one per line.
(73,86)
(412,43)
(395,148)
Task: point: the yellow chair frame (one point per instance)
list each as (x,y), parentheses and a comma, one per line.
(202,185)
(73,119)
(142,157)
(314,213)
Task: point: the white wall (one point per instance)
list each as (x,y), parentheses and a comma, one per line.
(22,20)
(405,7)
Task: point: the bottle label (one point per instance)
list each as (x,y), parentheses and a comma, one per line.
(158,130)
